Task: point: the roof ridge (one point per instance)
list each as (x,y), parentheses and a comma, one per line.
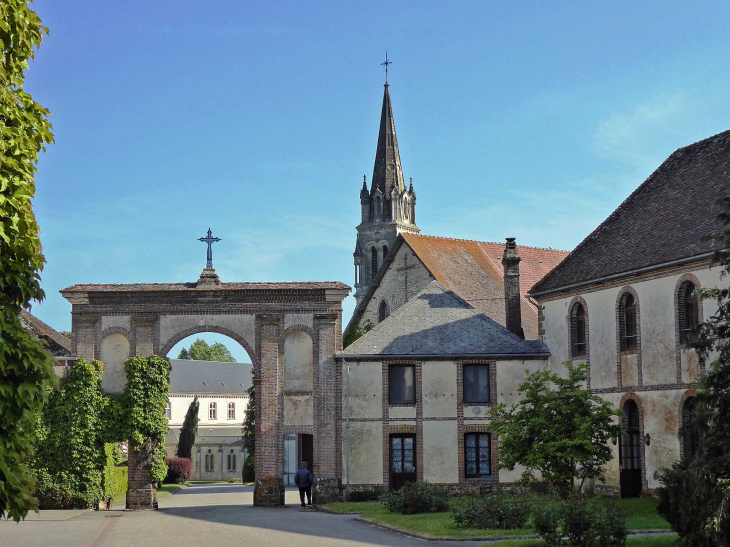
(488,242)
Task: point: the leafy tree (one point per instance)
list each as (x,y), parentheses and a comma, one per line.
(559,429)
(201,351)
(189,431)
(695,492)
(24,366)
(356,331)
(249,436)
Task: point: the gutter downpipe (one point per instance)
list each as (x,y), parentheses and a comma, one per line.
(625,274)
(347,424)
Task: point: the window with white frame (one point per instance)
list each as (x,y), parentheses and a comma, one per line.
(231,411)
(213,411)
(231,461)
(168,410)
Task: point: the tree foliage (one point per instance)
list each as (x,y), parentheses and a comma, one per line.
(189,431)
(559,429)
(249,436)
(24,366)
(201,351)
(695,492)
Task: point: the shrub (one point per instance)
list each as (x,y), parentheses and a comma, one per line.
(179,470)
(364,495)
(546,518)
(577,517)
(120,476)
(494,512)
(414,498)
(609,525)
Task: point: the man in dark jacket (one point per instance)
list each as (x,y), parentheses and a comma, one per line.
(304,480)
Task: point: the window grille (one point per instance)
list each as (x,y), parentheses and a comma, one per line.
(477,454)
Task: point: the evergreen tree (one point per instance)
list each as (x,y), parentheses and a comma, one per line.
(249,436)
(24,365)
(189,431)
(201,351)
(695,492)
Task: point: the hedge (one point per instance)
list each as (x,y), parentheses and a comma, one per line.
(179,470)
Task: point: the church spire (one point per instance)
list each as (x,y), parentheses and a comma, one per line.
(387,171)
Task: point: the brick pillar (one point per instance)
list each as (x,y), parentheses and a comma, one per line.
(144,334)
(327,406)
(141,494)
(269,464)
(84,335)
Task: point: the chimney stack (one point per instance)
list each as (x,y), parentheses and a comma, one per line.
(512,308)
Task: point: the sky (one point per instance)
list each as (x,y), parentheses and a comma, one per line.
(532,120)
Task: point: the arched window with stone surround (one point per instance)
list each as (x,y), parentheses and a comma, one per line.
(373,263)
(383,311)
(627,323)
(688,310)
(578,330)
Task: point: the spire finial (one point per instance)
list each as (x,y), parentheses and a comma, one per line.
(364,181)
(411,188)
(386,64)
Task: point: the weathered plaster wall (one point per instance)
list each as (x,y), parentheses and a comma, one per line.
(298,410)
(510,374)
(366,453)
(406,276)
(298,351)
(172,325)
(439,389)
(402,412)
(123,321)
(291,319)
(366,390)
(114,352)
(440,451)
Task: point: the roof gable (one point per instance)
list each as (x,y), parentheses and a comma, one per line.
(57,343)
(663,220)
(437,322)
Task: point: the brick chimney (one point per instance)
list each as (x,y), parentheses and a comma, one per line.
(512,308)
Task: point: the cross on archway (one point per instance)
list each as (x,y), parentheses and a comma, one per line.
(209,239)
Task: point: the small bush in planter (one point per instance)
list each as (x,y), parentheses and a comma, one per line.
(179,470)
(364,495)
(414,498)
(494,512)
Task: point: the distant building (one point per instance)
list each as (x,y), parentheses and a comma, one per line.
(54,341)
(221,389)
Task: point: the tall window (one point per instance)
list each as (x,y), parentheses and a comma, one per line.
(213,411)
(578,330)
(476,384)
(231,411)
(690,429)
(385,252)
(168,410)
(231,461)
(688,310)
(209,461)
(627,322)
(476,450)
(402,384)
(373,263)
(383,311)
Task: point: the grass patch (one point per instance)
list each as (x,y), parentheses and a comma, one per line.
(166,489)
(641,514)
(645,541)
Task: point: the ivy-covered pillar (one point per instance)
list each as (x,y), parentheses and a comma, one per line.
(141,493)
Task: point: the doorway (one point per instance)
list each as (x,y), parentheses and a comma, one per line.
(298,448)
(402,460)
(630,452)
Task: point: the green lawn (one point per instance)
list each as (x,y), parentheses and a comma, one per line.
(640,515)
(162,492)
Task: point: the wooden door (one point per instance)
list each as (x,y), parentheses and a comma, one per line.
(402,460)
(630,453)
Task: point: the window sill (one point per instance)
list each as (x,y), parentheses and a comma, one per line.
(479,404)
(402,405)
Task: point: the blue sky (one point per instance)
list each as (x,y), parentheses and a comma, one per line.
(258,120)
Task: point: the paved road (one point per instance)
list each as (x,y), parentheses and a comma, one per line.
(202,516)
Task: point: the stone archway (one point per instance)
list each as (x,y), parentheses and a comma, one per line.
(153,317)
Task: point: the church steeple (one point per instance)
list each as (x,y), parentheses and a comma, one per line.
(388,209)
(387,171)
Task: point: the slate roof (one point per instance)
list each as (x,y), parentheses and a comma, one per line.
(208,435)
(663,220)
(438,323)
(209,377)
(57,343)
(473,270)
(144,287)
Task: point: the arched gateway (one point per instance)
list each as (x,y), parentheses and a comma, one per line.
(291,331)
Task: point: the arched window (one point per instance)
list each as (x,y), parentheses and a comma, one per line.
(578,330)
(628,332)
(209,461)
(690,430)
(373,263)
(383,311)
(385,252)
(231,461)
(688,310)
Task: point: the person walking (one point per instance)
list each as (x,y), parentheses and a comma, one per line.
(304,480)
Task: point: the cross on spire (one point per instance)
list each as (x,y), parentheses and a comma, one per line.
(386,64)
(209,239)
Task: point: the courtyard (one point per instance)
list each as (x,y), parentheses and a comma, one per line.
(199,515)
